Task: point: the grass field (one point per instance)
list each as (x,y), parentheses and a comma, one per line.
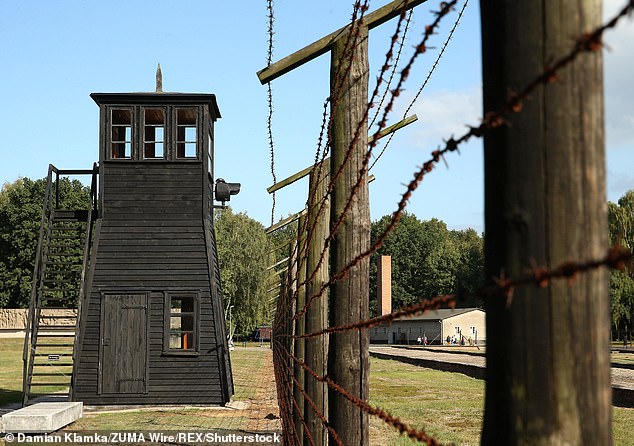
(623,358)
(11,372)
(446,405)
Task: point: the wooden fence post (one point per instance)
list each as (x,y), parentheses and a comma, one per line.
(317,314)
(299,327)
(348,362)
(548,367)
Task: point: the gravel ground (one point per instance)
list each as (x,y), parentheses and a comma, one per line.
(622,378)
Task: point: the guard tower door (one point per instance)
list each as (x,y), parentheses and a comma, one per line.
(124,342)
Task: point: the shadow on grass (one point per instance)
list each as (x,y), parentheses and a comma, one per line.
(9,397)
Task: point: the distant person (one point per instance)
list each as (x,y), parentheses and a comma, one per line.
(448,340)
(419,340)
(425,340)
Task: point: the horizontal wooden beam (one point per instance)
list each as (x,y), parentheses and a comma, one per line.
(277,264)
(278,271)
(282,245)
(286,221)
(304,172)
(391,129)
(295,177)
(321,46)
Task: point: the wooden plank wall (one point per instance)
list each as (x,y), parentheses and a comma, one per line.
(152,239)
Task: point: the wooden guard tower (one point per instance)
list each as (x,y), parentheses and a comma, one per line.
(151,327)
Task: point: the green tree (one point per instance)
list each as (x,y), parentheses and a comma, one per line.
(20,216)
(242,253)
(621,226)
(427,260)
(470,270)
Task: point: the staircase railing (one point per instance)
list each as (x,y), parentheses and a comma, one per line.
(85,261)
(52,203)
(47,212)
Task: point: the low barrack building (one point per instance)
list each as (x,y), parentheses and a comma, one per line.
(465,326)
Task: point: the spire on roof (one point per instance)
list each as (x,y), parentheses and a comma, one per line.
(159,79)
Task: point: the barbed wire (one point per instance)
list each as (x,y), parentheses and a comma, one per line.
(616,258)
(536,276)
(429,30)
(352,40)
(587,42)
(424,84)
(395,422)
(394,65)
(310,401)
(269,96)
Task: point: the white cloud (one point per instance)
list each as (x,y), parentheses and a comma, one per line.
(443,114)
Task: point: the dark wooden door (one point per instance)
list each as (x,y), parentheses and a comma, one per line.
(124,343)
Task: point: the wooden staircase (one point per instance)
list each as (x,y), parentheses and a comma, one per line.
(57,294)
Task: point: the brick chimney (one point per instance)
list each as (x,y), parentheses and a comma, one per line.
(384,285)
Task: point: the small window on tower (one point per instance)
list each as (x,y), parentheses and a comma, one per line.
(121,136)
(181,323)
(210,160)
(153,133)
(186,132)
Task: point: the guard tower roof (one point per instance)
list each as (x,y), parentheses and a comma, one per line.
(159,98)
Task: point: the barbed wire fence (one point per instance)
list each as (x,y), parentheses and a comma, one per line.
(301,327)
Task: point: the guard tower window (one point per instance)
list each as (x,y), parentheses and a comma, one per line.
(181,323)
(186,132)
(121,136)
(153,133)
(210,161)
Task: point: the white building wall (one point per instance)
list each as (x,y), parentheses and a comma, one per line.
(470,325)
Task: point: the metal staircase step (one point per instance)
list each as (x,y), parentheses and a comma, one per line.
(59,308)
(58,316)
(56,345)
(44,305)
(56,354)
(66,237)
(71,316)
(55,335)
(70,215)
(53,364)
(57,281)
(45,374)
(54,281)
(57,327)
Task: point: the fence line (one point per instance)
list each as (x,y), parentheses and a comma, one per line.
(424,84)
(269,100)
(291,390)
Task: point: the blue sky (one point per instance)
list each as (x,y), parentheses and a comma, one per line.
(54,54)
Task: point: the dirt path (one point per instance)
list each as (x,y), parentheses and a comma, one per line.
(264,412)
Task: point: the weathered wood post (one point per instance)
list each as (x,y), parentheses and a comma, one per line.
(349,297)
(348,360)
(548,368)
(294,398)
(299,327)
(317,313)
